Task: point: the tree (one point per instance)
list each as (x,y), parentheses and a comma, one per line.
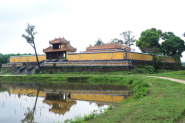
(167,35)
(29,116)
(129,40)
(174,46)
(149,38)
(30,39)
(115,40)
(98,42)
(156,60)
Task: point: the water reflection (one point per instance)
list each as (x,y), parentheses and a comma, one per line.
(29,115)
(31,102)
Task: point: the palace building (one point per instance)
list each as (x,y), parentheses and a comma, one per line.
(61,53)
(59,48)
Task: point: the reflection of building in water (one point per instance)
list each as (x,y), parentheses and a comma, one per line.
(99,97)
(60,103)
(23,91)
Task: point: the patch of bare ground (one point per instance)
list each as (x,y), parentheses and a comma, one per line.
(160,95)
(171,79)
(147,104)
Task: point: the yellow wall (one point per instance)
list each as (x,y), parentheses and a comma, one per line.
(137,56)
(28,58)
(146,57)
(91,56)
(95,56)
(113,55)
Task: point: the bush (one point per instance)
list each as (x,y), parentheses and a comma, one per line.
(140,70)
(140,88)
(151,69)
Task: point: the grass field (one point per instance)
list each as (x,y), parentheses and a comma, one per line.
(173,74)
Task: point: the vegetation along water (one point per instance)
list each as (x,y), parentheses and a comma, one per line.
(152,99)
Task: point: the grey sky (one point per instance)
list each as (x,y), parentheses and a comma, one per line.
(84,21)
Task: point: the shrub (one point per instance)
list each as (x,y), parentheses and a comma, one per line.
(151,69)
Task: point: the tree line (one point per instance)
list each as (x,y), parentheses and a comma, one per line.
(4,58)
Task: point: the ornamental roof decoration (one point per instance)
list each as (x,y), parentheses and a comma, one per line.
(65,47)
(107,47)
(59,41)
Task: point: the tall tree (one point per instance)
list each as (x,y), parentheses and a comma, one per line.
(174,46)
(149,38)
(98,42)
(30,39)
(129,39)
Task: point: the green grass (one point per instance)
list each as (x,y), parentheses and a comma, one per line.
(165,103)
(173,74)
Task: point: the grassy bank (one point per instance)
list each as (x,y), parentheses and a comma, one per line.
(165,103)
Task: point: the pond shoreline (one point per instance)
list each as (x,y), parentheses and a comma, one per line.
(163,101)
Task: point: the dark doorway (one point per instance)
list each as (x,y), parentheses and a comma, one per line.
(55,55)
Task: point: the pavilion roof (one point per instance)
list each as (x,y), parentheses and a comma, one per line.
(68,47)
(59,41)
(65,106)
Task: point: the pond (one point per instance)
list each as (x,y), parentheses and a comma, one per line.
(49,103)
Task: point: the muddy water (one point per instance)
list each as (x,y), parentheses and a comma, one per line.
(48,103)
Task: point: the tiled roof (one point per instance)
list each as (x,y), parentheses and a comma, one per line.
(59,41)
(65,48)
(107,47)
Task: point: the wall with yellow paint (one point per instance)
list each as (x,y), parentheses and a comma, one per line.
(95,56)
(146,57)
(29,58)
(138,56)
(111,55)
(91,56)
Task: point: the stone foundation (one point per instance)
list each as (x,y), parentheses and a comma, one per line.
(86,68)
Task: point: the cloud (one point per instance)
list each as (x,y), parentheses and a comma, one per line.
(83,22)
(32,10)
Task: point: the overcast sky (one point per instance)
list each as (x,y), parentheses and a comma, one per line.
(84,21)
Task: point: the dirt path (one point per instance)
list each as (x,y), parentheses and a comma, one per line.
(172,79)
